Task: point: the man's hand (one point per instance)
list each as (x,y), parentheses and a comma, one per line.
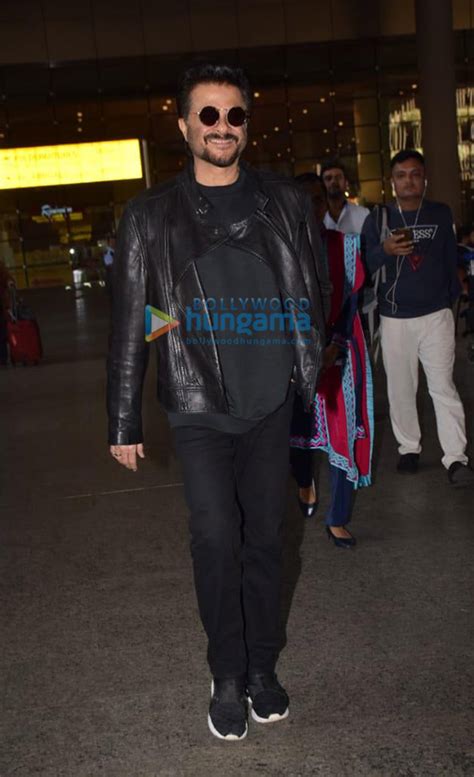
(330,354)
(127,454)
(397,245)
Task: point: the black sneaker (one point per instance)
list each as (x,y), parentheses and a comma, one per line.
(408,463)
(269,701)
(227,717)
(460,474)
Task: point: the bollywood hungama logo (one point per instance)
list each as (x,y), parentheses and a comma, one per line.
(246,316)
(157,323)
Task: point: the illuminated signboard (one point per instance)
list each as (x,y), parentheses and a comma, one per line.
(110,160)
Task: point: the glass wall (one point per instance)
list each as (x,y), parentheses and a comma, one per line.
(57,235)
(312,101)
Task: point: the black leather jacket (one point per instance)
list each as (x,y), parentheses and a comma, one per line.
(161,234)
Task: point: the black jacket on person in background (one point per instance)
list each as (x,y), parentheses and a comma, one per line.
(161,234)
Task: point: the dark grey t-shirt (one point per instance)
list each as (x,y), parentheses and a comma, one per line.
(256,365)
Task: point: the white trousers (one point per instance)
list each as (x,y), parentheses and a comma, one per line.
(430,340)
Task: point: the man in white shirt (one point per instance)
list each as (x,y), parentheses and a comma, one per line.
(341,215)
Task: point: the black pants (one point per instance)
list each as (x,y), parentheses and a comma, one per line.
(235,486)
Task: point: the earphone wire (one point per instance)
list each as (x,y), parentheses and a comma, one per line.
(390,294)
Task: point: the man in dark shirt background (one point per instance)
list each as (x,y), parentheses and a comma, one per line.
(418,287)
(250,249)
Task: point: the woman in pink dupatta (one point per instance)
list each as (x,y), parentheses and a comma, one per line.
(341,418)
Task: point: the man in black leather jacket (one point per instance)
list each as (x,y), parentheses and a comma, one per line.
(233,256)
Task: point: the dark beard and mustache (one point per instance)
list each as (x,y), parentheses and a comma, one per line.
(334,194)
(208,155)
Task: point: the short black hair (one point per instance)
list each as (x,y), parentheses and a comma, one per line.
(310,177)
(406,153)
(207,73)
(330,164)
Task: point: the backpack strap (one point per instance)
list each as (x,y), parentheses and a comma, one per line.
(380,213)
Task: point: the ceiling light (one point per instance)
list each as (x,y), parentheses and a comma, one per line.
(256,94)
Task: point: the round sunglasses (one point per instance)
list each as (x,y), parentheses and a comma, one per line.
(235,117)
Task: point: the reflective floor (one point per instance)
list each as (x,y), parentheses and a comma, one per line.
(102,667)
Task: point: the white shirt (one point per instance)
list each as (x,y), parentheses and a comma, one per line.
(351,219)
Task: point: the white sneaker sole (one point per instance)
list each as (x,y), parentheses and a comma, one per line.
(227,737)
(271,719)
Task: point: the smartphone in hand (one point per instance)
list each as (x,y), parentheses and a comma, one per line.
(407,233)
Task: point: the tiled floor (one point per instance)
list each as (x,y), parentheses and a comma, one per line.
(102,663)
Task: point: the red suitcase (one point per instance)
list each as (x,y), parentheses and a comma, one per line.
(25,341)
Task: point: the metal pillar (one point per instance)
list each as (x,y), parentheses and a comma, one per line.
(437,82)
(146,163)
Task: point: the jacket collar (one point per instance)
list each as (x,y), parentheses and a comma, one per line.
(201,206)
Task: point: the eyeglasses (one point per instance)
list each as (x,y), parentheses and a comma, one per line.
(235,117)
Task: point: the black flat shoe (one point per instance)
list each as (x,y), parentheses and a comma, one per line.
(461,474)
(341,542)
(408,463)
(308,508)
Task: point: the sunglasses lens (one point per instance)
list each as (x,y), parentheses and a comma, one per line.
(209,116)
(236,117)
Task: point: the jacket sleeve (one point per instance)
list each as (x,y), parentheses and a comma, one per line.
(128,349)
(375,256)
(320,260)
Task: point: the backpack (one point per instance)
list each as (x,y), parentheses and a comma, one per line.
(370,301)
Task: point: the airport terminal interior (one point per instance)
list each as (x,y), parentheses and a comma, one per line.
(330,79)
(103,662)
(103,667)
